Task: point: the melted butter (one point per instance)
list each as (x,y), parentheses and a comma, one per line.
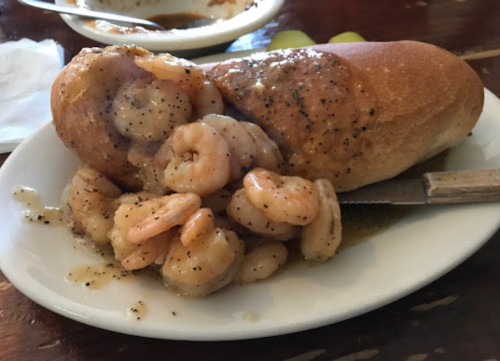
(36,212)
(361,222)
(251,316)
(137,311)
(97,276)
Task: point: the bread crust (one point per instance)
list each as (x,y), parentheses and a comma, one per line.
(81,100)
(429,101)
(424,101)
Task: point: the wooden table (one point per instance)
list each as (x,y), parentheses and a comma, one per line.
(462,321)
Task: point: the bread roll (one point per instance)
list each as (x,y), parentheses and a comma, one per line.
(81,100)
(355,113)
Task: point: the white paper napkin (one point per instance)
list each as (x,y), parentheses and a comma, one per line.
(27,71)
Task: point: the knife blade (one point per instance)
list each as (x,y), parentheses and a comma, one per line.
(432,188)
(395,191)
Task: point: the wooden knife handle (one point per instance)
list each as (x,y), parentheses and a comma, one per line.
(463,187)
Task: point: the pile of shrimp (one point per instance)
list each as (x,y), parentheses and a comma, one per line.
(215,207)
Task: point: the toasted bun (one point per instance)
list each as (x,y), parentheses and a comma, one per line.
(81,100)
(414,99)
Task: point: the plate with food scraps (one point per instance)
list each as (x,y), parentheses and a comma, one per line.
(411,247)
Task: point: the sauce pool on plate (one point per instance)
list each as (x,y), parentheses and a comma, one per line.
(137,311)
(36,212)
(174,21)
(97,276)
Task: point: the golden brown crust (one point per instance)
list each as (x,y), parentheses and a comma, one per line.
(424,100)
(81,101)
(429,101)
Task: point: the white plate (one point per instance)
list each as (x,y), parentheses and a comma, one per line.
(408,255)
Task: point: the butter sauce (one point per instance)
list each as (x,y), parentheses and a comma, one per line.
(36,212)
(97,276)
(137,311)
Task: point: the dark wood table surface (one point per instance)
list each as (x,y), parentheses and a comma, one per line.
(462,321)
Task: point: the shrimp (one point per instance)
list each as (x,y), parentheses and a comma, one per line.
(283,199)
(217,201)
(152,251)
(230,225)
(173,210)
(152,177)
(268,155)
(134,198)
(91,199)
(241,143)
(148,111)
(261,261)
(241,210)
(321,238)
(209,101)
(132,210)
(188,76)
(197,160)
(131,215)
(197,226)
(204,266)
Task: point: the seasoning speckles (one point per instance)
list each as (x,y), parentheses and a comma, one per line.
(94,277)
(36,212)
(137,311)
(315,91)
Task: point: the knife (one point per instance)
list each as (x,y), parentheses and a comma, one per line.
(432,188)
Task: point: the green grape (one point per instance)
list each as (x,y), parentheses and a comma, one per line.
(347,37)
(290,39)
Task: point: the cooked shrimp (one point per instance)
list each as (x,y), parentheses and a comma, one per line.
(241,210)
(173,210)
(283,199)
(217,201)
(261,261)
(148,111)
(205,266)
(197,226)
(151,177)
(268,155)
(321,238)
(91,199)
(134,198)
(230,225)
(209,101)
(203,94)
(133,209)
(153,249)
(240,142)
(197,160)
(184,73)
(294,232)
